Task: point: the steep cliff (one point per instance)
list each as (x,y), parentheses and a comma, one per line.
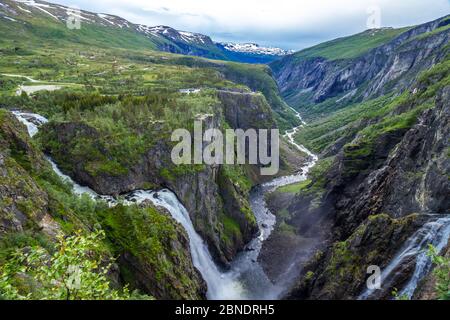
(35,206)
(216,196)
(316,84)
(377,191)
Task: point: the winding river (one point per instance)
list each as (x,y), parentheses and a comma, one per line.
(246,278)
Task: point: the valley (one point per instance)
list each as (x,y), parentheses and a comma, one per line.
(86,118)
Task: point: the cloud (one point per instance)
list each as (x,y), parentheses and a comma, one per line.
(287,23)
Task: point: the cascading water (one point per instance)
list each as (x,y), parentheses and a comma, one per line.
(245,268)
(220,285)
(246,278)
(436,233)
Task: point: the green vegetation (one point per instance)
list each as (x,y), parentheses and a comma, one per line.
(237,217)
(120,100)
(441,273)
(148,235)
(75,270)
(352,46)
(110,135)
(345,123)
(295,187)
(232,231)
(315,184)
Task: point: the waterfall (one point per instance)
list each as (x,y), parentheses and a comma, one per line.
(436,233)
(246,279)
(220,285)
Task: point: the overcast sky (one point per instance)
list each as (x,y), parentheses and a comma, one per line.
(284,23)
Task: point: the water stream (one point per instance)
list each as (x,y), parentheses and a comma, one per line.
(246,278)
(436,232)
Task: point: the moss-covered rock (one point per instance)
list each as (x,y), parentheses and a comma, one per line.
(153,250)
(341,273)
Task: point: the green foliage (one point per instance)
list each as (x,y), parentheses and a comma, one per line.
(352,46)
(76,270)
(442,273)
(141,232)
(232,230)
(397,296)
(295,187)
(387,113)
(320,133)
(315,185)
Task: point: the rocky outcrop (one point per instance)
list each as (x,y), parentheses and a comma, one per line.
(35,206)
(384,69)
(153,252)
(246,110)
(215,199)
(340,271)
(371,190)
(23,203)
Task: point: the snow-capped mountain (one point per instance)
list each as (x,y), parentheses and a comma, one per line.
(254,48)
(164,38)
(176,35)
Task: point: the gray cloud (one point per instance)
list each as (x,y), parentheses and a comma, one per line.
(288,24)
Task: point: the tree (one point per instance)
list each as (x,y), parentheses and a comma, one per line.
(75,271)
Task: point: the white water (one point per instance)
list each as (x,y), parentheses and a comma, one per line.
(220,285)
(245,267)
(436,233)
(246,278)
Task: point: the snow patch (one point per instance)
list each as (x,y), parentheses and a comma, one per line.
(254,48)
(38,6)
(9,18)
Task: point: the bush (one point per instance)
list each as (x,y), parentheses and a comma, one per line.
(75,271)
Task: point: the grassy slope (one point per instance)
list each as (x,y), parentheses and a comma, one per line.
(127,91)
(352,46)
(324,132)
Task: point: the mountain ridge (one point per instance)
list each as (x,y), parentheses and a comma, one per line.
(164,38)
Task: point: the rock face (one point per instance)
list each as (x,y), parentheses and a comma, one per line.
(388,170)
(340,272)
(22,201)
(386,68)
(370,199)
(33,206)
(153,253)
(215,201)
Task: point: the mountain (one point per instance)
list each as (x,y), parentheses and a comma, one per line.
(52,17)
(359,67)
(377,105)
(251,52)
(254,48)
(112,100)
(86,123)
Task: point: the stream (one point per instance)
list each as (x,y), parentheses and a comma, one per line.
(246,278)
